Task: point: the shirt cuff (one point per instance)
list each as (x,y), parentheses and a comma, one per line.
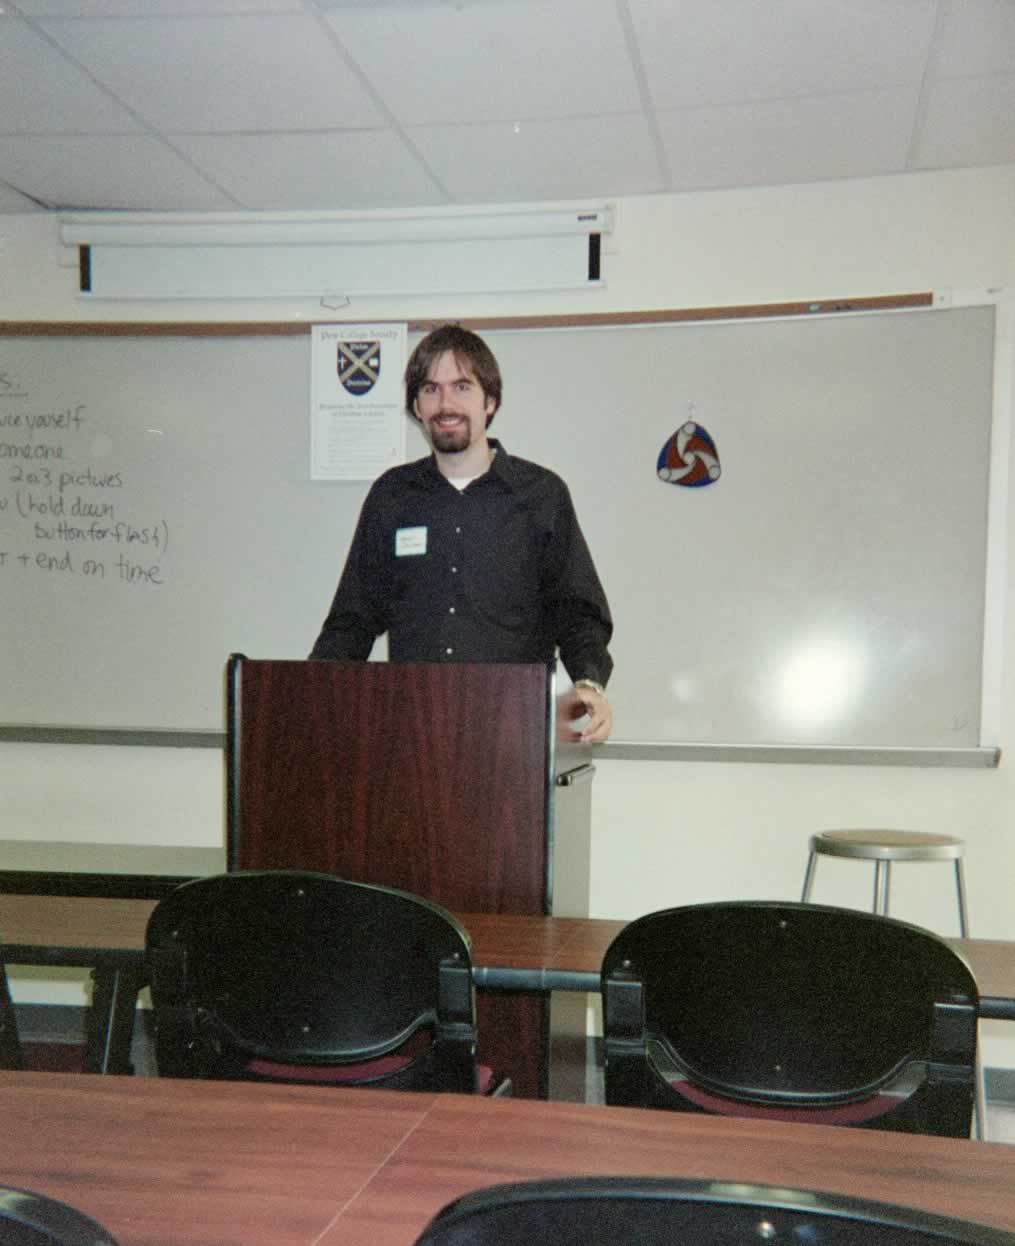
(591,683)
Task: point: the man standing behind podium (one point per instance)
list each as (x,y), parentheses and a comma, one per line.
(471,555)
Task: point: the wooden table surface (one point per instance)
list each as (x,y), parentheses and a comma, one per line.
(574,944)
(89,922)
(178,1163)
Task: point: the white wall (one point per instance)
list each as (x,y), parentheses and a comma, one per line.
(663,832)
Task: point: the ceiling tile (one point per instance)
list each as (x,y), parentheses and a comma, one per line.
(42,93)
(969,121)
(152,8)
(393,4)
(11,201)
(487,100)
(500,60)
(341,170)
(699,52)
(857,134)
(977,37)
(222,73)
(120,171)
(542,159)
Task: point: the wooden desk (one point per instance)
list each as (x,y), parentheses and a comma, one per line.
(80,930)
(107,935)
(521,953)
(509,952)
(176,1163)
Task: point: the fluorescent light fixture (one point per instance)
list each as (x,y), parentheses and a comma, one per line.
(242,255)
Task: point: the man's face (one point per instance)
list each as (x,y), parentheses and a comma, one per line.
(452,407)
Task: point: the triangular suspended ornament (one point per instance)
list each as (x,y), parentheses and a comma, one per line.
(689,457)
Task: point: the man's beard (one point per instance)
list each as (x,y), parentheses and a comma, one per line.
(451,440)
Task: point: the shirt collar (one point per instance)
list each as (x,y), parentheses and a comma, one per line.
(501,469)
(503,465)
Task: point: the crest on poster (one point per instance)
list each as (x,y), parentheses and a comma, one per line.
(359,366)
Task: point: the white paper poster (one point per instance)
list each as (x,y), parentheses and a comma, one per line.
(357,422)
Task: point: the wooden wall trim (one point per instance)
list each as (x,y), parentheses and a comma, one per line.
(566,320)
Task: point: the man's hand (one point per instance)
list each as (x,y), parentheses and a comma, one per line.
(600,716)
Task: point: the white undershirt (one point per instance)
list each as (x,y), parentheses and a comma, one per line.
(461,481)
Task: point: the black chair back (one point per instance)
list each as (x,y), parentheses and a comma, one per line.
(665,1212)
(329,978)
(28,1218)
(11,1054)
(791,1006)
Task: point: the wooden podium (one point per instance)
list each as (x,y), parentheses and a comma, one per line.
(437,779)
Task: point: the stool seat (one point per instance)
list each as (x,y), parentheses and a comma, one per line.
(883,847)
(888,845)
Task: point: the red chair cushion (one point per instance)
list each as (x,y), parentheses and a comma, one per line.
(362,1071)
(841,1114)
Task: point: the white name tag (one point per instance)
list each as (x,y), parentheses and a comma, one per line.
(410,542)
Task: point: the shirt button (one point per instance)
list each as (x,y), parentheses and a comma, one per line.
(451,609)
(449,652)
(454,570)
(458,530)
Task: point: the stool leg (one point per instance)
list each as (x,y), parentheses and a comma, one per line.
(812,862)
(882,878)
(960,887)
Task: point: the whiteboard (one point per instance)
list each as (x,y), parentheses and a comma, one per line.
(827,589)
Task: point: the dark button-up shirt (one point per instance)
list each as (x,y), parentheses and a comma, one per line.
(497,572)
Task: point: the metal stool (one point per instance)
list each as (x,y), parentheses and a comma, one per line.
(884,847)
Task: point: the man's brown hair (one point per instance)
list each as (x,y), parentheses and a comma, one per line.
(469,350)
